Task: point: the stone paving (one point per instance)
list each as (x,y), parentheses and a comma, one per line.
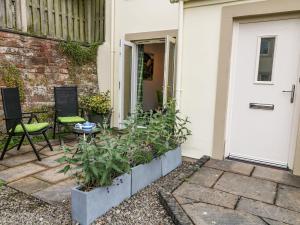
(22,171)
(234,193)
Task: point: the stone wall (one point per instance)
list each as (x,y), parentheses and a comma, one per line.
(42,67)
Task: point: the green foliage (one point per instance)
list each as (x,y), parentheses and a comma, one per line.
(146,136)
(78,53)
(96,103)
(2,183)
(12,78)
(97,164)
(153,134)
(44,113)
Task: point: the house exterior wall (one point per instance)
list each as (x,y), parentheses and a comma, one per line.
(214,100)
(200,50)
(125,17)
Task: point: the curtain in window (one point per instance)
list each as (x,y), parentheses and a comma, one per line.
(140,73)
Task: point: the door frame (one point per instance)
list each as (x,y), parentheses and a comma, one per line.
(124,43)
(263,10)
(232,79)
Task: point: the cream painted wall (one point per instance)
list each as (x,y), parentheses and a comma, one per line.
(134,16)
(200,48)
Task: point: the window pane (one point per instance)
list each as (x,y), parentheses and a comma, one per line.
(127,81)
(266,57)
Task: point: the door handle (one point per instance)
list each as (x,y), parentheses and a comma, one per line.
(292,93)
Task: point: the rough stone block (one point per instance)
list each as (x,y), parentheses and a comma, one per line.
(19,172)
(230,166)
(205,176)
(249,187)
(205,214)
(277,175)
(268,211)
(288,197)
(195,193)
(29,185)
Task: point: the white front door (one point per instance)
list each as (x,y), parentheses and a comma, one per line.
(263,89)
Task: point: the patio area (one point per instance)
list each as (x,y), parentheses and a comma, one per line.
(22,171)
(229,192)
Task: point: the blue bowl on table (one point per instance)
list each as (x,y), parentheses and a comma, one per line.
(88,127)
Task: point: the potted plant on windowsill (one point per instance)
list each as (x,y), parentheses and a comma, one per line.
(97,108)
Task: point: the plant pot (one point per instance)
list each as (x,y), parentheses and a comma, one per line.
(171,160)
(99,118)
(145,174)
(88,206)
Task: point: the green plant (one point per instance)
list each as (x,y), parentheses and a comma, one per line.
(79,54)
(11,76)
(96,103)
(97,164)
(2,183)
(153,134)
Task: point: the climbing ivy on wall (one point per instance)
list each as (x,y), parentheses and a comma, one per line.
(11,77)
(79,54)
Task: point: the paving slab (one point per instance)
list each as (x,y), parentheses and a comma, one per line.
(277,175)
(269,211)
(205,214)
(188,192)
(2,167)
(56,193)
(48,152)
(52,175)
(230,166)
(19,159)
(50,161)
(249,187)
(29,185)
(205,176)
(288,197)
(273,222)
(19,172)
(22,150)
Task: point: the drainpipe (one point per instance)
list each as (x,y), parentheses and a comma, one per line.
(179,55)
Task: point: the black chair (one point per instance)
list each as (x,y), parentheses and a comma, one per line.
(66,109)
(15,125)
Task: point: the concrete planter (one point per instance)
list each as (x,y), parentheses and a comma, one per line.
(171,160)
(143,175)
(87,206)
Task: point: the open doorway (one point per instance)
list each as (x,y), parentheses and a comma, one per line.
(147,76)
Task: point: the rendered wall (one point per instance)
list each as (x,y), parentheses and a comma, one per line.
(201,34)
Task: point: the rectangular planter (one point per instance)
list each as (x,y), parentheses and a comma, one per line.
(171,160)
(143,175)
(88,206)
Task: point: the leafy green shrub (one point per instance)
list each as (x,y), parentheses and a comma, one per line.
(78,53)
(97,164)
(96,103)
(12,78)
(153,134)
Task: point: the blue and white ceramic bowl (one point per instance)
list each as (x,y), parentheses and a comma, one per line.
(87,126)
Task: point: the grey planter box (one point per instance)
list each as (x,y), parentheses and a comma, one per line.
(88,206)
(143,175)
(171,160)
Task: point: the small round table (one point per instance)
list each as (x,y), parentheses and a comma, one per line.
(91,133)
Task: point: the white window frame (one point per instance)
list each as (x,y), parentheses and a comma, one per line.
(124,43)
(256,81)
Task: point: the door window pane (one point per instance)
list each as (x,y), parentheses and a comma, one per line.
(171,75)
(266,57)
(127,80)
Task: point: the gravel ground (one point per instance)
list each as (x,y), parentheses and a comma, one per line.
(142,209)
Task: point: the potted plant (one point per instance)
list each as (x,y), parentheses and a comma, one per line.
(97,108)
(102,171)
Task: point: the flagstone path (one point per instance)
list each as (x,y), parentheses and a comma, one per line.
(234,193)
(22,171)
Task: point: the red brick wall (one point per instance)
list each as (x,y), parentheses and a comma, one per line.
(42,67)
